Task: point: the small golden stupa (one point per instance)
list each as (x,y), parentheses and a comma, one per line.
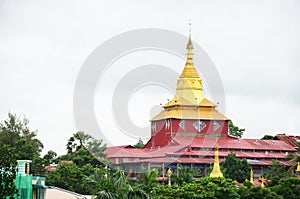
(251,177)
(298,167)
(216,172)
(262,182)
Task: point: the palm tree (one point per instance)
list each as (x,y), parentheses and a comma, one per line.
(184,175)
(149,180)
(114,186)
(137,192)
(100,186)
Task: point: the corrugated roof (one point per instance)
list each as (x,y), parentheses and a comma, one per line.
(234,143)
(291,140)
(263,148)
(180,160)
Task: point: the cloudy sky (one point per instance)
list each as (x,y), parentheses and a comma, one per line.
(254,45)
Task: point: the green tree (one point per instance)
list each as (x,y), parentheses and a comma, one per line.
(267,137)
(77,141)
(293,158)
(257,192)
(288,188)
(276,172)
(71,177)
(84,149)
(139,144)
(148,180)
(8,169)
(49,157)
(235,168)
(114,185)
(206,187)
(97,149)
(184,175)
(234,130)
(15,132)
(100,186)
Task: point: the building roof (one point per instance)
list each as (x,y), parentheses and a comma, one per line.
(122,151)
(234,143)
(189,102)
(186,160)
(291,140)
(201,149)
(190,113)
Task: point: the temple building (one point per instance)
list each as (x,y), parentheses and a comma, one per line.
(187,130)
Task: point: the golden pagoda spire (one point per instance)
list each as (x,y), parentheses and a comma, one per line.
(189,83)
(216,172)
(190,48)
(189,101)
(189,70)
(251,177)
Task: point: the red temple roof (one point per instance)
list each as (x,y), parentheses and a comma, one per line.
(200,150)
(291,140)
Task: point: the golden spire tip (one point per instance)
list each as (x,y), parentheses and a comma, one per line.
(190,44)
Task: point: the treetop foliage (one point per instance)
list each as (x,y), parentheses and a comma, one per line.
(235,168)
(15,132)
(234,130)
(8,163)
(87,172)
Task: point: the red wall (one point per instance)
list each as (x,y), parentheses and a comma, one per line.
(208,129)
(160,133)
(161,130)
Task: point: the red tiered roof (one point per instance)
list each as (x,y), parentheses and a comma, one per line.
(200,150)
(291,140)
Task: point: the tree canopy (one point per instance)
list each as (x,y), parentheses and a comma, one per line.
(8,171)
(140,144)
(84,149)
(15,132)
(71,177)
(288,188)
(234,130)
(205,187)
(83,169)
(276,172)
(268,137)
(235,168)
(113,184)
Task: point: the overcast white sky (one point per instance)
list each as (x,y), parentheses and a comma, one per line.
(255,46)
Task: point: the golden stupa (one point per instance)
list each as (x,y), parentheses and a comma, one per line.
(251,177)
(298,167)
(189,101)
(216,172)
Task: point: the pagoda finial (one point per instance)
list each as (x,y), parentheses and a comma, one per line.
(189,83)
(216,172)
(251,177)
(190,26)
(189,46)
